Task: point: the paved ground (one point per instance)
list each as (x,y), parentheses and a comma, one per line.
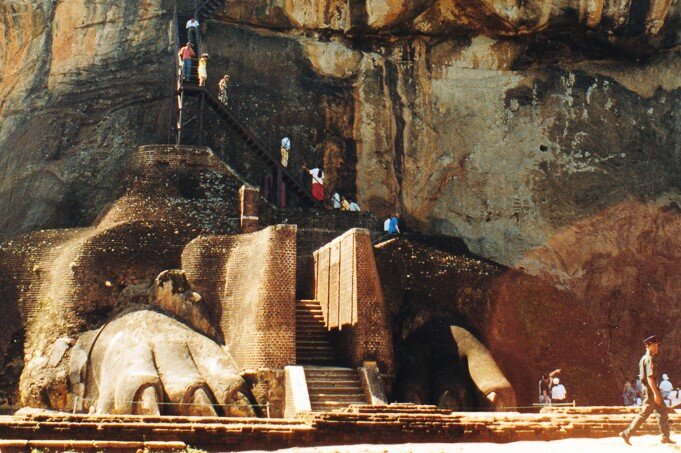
(606,445)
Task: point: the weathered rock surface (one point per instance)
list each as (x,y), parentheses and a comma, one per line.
(82,85)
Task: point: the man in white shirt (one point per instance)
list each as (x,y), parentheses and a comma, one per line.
(386,225)
(354,207)
(666,388)
(336,201)
(558,392)
(192,27)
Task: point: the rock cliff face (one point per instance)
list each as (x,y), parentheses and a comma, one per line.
(544,134)
(82,84)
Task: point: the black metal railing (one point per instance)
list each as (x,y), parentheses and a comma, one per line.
(191,101)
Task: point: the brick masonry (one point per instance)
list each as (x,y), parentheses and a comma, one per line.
(248,283)
(393,424)
(348,288)
(249,198)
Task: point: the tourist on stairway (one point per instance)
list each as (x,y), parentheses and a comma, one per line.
(335,199)
(354,207)
(192,31)
(222,89)
(317,182)
(345,204)
(203,74)
(285,149)
(185,55)
(393,226)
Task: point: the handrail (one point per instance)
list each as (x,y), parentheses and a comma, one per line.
(272,158)
(266,150)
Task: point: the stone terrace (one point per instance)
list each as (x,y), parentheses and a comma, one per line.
(397,423)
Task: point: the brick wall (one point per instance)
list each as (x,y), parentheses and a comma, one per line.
(248,283)
(347,285)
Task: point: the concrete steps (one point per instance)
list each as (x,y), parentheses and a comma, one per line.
(333,388)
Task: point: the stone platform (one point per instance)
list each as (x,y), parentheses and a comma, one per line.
(397,423)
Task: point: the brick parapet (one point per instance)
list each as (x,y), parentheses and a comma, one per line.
(249,198)
(347,286)
(249,281)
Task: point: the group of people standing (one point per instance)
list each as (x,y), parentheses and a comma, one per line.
(187,54)
(632,391)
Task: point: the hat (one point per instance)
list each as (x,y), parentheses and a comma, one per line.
(665,377)
(651,339)
(556,381)
(204,55)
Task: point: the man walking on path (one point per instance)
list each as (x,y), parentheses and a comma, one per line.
(192,30)
(186,54)
(652,398)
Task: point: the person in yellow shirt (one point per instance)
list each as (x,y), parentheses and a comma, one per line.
(203,74)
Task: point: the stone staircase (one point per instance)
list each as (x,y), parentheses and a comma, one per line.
(313,345)
(333,388)
(329,385)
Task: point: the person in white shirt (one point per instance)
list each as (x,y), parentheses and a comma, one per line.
(386,225)
(192,30)
(666,387)
(285,149)
(354,207)
(336,201)
(558,392)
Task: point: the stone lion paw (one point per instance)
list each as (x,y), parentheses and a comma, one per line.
(148,363)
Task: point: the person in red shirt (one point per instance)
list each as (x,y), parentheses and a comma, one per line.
(185,55)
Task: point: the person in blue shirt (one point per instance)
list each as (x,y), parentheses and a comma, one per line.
(393,226)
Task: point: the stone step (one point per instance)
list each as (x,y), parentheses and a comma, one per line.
(301,307)
(317,359)
(317,336)
(313,336)
(311,322)
(309,315)
(314,350)
(325,361)
(354,398)
(326,382)
(335,390)
(308,311)
(313,345)
(313,341)
(328,406)
(317,331)
(333,371)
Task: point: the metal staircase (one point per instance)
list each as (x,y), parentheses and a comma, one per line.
(192,103)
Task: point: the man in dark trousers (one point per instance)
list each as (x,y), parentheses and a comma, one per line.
(652,398)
